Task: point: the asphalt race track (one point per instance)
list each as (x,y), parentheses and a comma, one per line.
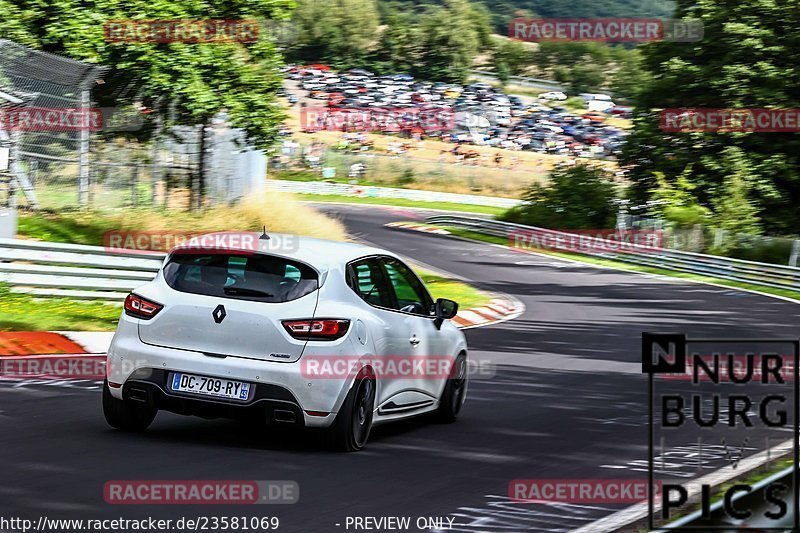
(567,401)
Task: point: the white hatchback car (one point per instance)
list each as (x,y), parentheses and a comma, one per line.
(292,331)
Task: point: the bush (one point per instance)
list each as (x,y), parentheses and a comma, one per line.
(406,178)
(685,216)
(577,197)
(575,102)
(776,250)
(676,202)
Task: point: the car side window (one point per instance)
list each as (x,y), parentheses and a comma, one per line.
(366,279)
(410,295)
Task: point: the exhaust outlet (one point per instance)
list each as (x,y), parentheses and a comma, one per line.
(284,416)
(138,395)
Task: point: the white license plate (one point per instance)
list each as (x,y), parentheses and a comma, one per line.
(221,388)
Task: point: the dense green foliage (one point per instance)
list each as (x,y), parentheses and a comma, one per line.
(504,10)
(581,66)
(188,82)
(442,40)
(675,202)
(581,196)
(436,41)
(738,182)
(747,59)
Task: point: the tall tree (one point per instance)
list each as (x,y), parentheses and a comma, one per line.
(747,59)
(676,201)
(630,77)
(734,211)
(453,34)
(340,32)
(516,56)
(185,83)
(430,41)
(401,46)
(195,81)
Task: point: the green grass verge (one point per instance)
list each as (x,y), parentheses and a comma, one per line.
(22,312)
(74,228)
(466,295)
(402,202)
(628,266)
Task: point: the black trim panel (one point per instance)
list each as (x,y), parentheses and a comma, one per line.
(149,385)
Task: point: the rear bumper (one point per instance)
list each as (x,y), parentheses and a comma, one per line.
(132,364)
(271,404)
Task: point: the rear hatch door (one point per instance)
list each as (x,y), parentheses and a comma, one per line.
(233,304)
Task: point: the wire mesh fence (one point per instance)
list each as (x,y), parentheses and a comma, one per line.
(57,93)
(125,174)
(64,153)
(122,176)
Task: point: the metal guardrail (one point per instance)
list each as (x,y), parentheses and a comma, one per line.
(74,271)
(98,273)
(751,272)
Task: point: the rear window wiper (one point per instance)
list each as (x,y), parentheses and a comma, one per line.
(247,292)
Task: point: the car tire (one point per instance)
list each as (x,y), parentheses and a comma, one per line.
(454,393)
(350,431)
(123,415)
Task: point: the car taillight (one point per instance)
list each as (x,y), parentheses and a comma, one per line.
(319,329)
(139,307)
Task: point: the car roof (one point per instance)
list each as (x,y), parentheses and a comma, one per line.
(319,253)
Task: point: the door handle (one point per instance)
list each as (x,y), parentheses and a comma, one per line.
(413,340)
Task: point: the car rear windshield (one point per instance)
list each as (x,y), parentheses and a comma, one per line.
(257,277)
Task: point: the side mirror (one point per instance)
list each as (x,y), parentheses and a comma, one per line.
(444,309)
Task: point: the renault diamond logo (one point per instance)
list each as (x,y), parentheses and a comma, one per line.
(219,314)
